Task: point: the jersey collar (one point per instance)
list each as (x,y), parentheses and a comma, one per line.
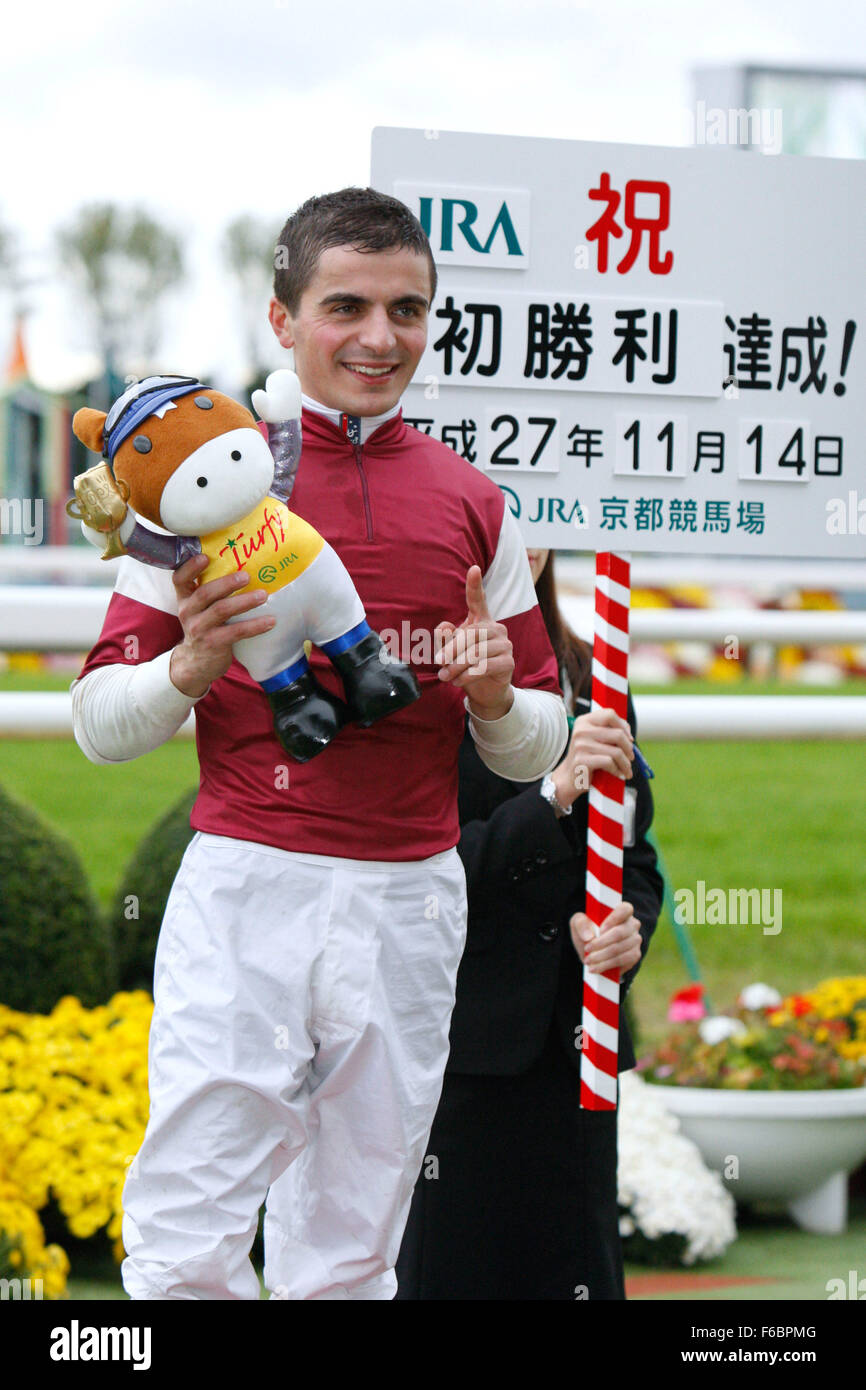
(357,429)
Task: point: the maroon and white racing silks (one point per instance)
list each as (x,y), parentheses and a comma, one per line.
(408,517)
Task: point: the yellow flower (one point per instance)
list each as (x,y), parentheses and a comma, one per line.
(73,1109)
(843,999)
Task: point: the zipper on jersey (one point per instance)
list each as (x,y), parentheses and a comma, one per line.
(368,514)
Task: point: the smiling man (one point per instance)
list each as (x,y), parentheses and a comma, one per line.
(360,346)
(307,960)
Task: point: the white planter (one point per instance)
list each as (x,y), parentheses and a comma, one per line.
(794,1147)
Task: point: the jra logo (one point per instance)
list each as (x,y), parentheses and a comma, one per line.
(468,215)
(468,226)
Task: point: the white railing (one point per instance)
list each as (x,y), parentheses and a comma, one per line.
(676,718)
(81,564)
(799,627)
(55,564)
(68,618)
(672,718)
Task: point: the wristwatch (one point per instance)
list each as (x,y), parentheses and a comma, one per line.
(548,791)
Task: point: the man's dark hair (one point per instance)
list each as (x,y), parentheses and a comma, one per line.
(360,218)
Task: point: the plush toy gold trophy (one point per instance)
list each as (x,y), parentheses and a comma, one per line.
(100,502)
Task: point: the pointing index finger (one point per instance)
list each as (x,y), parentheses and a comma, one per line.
(476,599)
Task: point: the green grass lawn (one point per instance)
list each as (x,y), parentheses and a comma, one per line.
(776,816)
(795,1264)
(853,685)
(785,816)
(106,811)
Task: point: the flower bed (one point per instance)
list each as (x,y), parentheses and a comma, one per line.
(73,1109)
(31,1269)
(812,1041)
(773,1093)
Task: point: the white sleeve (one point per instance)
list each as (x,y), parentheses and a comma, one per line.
(530,739)
(508,585)
(120,711)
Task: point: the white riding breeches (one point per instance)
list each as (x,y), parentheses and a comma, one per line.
(300,1033)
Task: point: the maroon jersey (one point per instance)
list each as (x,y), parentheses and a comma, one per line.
(408,517)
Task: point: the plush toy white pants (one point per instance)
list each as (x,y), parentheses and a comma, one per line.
(301,1013)
(322,603)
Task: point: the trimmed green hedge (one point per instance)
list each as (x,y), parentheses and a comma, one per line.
(53,938)
(136,913)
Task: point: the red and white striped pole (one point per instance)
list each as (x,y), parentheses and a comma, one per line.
(600,1037)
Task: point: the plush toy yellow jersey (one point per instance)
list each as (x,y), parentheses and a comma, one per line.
(195,462)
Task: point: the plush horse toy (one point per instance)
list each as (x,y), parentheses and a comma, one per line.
(194,462)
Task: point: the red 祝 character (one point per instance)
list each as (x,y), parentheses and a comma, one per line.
(607,225)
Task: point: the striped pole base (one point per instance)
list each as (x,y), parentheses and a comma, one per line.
(600,1038)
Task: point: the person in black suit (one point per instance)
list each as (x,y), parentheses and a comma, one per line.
(517,1195)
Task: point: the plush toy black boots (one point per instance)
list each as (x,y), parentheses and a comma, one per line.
(307,716)
(376,684)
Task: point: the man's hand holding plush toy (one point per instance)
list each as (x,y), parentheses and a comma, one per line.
(204,611)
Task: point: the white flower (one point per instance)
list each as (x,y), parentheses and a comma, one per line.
(716,1029)
(662,1181)
(759,997)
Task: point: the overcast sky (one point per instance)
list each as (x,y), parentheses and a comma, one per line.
(205,109)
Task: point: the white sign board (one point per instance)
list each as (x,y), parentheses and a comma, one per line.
(647,349)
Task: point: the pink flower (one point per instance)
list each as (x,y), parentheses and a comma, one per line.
(687,1004)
